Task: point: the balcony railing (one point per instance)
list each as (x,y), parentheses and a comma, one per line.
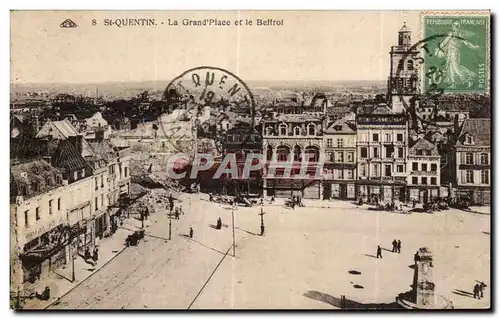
(424,173)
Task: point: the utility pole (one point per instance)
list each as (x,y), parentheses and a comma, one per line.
(170,225)
(234,239)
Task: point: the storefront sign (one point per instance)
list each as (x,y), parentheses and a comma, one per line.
(43,229)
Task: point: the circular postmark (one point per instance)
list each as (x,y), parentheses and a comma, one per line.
(201,95)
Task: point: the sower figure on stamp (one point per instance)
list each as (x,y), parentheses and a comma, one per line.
(379,252)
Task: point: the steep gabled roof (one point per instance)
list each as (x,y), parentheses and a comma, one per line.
(66,156)
(479,129)
(423,144)
(346,123)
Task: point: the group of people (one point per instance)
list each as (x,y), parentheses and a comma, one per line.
(94,256)
(295,201)
(478,290)
(396,246)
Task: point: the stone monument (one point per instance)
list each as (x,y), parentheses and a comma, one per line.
(422,295)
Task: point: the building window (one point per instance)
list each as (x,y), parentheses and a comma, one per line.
(485,178)
(484,159)
(229,138)
(375,152)
(400,168)
(102,181)
(283,129)
(329,142)
(399,137)
(50,206)
(388,137)
(339,156)
(363,170)
(388,170)
(350,157)
(26,213)
(414,166)
(469,158)
(349,174)
(96,183)
(311,129)
(428,153)
(364,152)
(96,204)
(433,167)
(414,180)
(468,139)
(83,173)
(37,213)
(296,131)
(340,173)
(424,180)
(59,204)
(340,142)
(102,200)
(469,176)
(375,137)
(376,170)
(409,65)
(419,152)
(424,167)
(433,181)
(75,175)
(400,152)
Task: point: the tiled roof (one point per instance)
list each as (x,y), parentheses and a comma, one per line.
(297,118)
(33,178)
(479,128)
(67,157)
(65,128)
(423,144)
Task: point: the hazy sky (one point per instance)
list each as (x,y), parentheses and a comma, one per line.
(311,45)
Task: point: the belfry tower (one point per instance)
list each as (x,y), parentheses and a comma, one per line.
(403,78)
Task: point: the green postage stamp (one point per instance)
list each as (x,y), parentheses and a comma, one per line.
(456,57)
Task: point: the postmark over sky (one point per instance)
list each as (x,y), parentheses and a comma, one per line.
(205,92)
(457,61)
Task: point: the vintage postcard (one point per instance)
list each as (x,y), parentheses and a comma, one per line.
(250,160)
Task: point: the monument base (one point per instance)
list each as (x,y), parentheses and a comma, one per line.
(440,303)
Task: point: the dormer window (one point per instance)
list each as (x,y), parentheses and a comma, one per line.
(337,127)
(469,139)
(420,152)
(283,129)
(75,175)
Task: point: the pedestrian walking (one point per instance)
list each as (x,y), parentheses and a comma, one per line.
(379,252)
(476,290)
(95,254)
(146,213)
(293,203)
(219,223)
(176,213)
(481,289)
(272,199)
(394,245)
(399,246)
(190,232)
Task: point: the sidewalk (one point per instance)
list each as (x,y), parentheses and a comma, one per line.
(59,280)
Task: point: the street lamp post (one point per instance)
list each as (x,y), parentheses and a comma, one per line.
(234,238)
(262,227)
